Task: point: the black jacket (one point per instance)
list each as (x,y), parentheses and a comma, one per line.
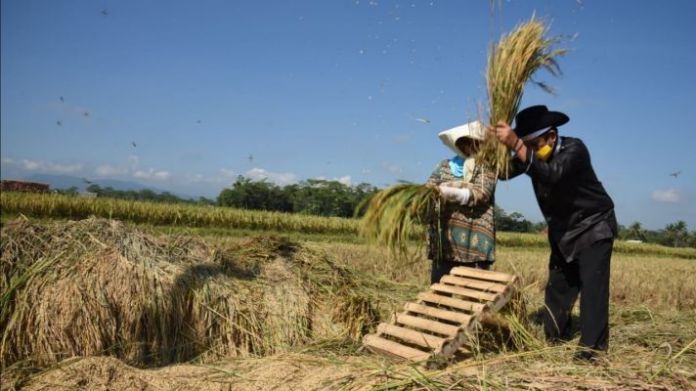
(576,207)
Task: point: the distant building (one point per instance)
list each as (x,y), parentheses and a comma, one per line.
(634,241)
(31,187)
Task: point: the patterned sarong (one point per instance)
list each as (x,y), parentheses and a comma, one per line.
(467,232)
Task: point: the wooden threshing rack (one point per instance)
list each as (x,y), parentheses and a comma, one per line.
(441,320)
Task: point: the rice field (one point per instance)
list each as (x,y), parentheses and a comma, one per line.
(235,312)
(229,221)
(75,208)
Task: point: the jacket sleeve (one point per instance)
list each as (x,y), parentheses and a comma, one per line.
(517,168)
(572,158)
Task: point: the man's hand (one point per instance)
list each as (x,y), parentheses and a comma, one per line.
(504,133)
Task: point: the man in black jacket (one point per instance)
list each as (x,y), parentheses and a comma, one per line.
(580,218)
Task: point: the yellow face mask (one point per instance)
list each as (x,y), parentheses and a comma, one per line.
(544,153)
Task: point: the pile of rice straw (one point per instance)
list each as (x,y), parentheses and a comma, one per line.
(99,287)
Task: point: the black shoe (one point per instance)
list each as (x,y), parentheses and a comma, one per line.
(586,356)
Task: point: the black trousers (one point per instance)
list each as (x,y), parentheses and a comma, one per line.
(587,275)
(440,268)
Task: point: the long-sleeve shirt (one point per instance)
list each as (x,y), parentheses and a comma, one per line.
(577,209)
(466,232)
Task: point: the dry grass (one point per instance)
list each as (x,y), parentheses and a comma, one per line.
(512,62)
(96,287)
(223,221)
(143,212)
(396,214)
(652,320)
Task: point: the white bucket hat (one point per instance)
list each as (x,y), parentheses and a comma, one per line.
(474,130)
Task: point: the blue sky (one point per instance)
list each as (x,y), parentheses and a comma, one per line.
(291,90)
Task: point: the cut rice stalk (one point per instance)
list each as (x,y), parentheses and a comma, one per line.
(512,62)
(397,214)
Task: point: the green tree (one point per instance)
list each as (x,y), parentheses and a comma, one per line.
(635,231)
(313,196)
(258,195)
(514,222)
(677,234)
(94,188)
(324,198)
(692,239)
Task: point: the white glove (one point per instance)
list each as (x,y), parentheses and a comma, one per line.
(453,194)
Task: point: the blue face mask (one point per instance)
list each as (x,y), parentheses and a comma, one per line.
(457,166)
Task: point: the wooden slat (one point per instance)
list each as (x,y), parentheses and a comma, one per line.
(382,345)
(481,274)
(504,297)
(426,324)
(408,335)
(474,284)
(463,292)
(458,317)
(493,319)
(463,305)
(463,350)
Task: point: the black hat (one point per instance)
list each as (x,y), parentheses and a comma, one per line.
(536,120)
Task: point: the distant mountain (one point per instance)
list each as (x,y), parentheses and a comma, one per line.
(67,181)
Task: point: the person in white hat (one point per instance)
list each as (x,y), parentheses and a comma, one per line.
(464,233)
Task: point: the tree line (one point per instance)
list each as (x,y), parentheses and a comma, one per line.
(333,198)
(673,235)
(313,196)
(135,195)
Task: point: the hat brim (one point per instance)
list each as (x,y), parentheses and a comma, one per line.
(549,119)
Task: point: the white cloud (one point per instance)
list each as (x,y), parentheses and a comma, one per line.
(40,165)
(151,173)
(279,178)
(107,170)
(130,166)
(32,164)
(225,176)
(667,195)
(162,175)
(346,180)
(7,161)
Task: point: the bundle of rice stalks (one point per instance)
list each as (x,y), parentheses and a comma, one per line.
(98,287)
(357,314)
(511,64)
(397,214)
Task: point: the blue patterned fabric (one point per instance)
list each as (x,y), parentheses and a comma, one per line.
(457,167)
